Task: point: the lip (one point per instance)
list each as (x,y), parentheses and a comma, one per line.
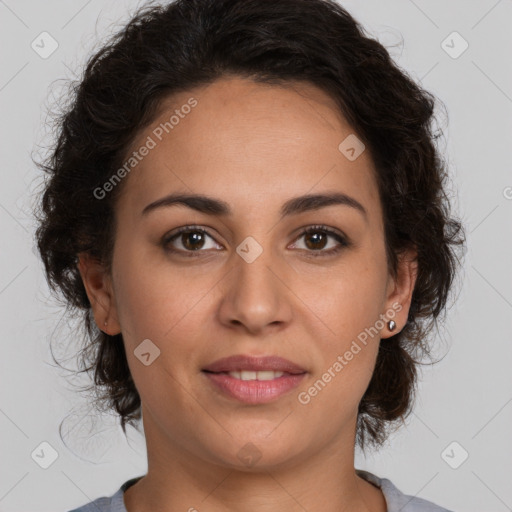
(254,391)
(244,362)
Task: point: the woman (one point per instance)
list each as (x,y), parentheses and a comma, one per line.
(247,204)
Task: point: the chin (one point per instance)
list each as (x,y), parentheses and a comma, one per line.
(255,454)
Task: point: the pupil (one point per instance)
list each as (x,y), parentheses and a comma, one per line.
(192,238)
(195,236)
(319,238)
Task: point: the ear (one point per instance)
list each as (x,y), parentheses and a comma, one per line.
(399,292)
(98,286)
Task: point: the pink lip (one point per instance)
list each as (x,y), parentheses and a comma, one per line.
(253,363)
(254,391)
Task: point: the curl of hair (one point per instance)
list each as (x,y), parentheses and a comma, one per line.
(173,48)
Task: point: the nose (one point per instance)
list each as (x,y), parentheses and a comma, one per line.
(256,297)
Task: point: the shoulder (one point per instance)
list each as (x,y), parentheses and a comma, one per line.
(103,504)
(396,500)
(114,503)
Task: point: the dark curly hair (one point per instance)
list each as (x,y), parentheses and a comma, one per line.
(188,43)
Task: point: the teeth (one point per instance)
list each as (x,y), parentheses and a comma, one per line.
(261,375)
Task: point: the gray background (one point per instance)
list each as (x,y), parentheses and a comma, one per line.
(465,398)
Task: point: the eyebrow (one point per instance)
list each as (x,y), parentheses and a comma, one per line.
(294,206)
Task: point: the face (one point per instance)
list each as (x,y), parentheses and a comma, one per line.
(306,280)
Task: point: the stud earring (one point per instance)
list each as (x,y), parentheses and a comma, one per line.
(391,325)
(105,323)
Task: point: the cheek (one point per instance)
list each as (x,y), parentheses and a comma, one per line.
(157,300)
(141,284)
(349,304)
(155,303)
(347,360)
(348,298)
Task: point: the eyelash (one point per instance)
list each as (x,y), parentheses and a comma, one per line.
(343,242)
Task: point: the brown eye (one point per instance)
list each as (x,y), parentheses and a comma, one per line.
(316,241)
(192,240)
(189,240)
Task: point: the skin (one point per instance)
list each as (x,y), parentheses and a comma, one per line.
(253,146)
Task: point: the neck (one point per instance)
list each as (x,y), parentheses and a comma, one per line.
(178,479)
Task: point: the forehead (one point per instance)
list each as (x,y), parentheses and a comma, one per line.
(249,143)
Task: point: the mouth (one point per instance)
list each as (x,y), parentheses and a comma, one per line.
(254,380)
(262,375)
(241,363)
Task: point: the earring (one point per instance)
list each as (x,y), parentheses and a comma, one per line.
(391,325)
(105,323)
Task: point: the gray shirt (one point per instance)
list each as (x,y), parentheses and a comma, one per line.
(396,501)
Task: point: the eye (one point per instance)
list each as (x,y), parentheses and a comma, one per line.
(317,239)
(188,239)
